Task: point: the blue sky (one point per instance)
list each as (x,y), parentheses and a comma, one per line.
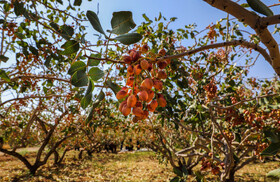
(187,12)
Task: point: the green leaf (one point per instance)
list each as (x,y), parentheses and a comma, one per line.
(94,62)
(48,61)
(20,35)
(272,149)
(70,47)
(90,87)
(55,26)
(122,22)
(245,5)
(18,8)
(274,174)
(146,18)
(95,73)
(115,87)
(260,7)
(93,19)
(60,2)
(3,58)
(76,66)
(89,117)
(199,176)
(159,17)
(86,101)
(237,137)
(99,98)
(67,31)
(77,2)
(79,79)
(235,157)
(177,171)
(175,179)
(33,50)
(129,38)
(272,136)
(88,96)
(4,76)
(7,7)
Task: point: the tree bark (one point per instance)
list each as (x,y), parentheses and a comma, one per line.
(231,176)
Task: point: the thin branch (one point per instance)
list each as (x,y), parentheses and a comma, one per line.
(42,124)
(104,59)
(49,77)
(32,97)
(30,122)
(246,162)
(223,44)
(277,4)
(245,100)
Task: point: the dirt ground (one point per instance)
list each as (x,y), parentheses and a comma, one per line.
(128,166)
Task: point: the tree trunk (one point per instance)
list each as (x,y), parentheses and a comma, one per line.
(81,154)
(62,157)
(56,157)
(33,169)
(231,176)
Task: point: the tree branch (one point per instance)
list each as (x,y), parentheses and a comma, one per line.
(254,157)
(53,149)
(18,156)
(104,59)
(223,44)
(253,20)
(270,20)
(32,97)
(48,137)
(30,122)
(49,77)
(243,101)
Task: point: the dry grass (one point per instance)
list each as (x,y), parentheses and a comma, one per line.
(137,166)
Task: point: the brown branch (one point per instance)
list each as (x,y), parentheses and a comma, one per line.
(277,4)
(37,77)
(30,122)
(63,155)
(243,101)
(42,123)
(53,149)
(59,10)
(18,156)
(270,20)
(48,137)
(253,20)
(104,59)
(32,97)
(167,154)
(254,157)
(223,44)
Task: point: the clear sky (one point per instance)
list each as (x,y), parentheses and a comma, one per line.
(187,12)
